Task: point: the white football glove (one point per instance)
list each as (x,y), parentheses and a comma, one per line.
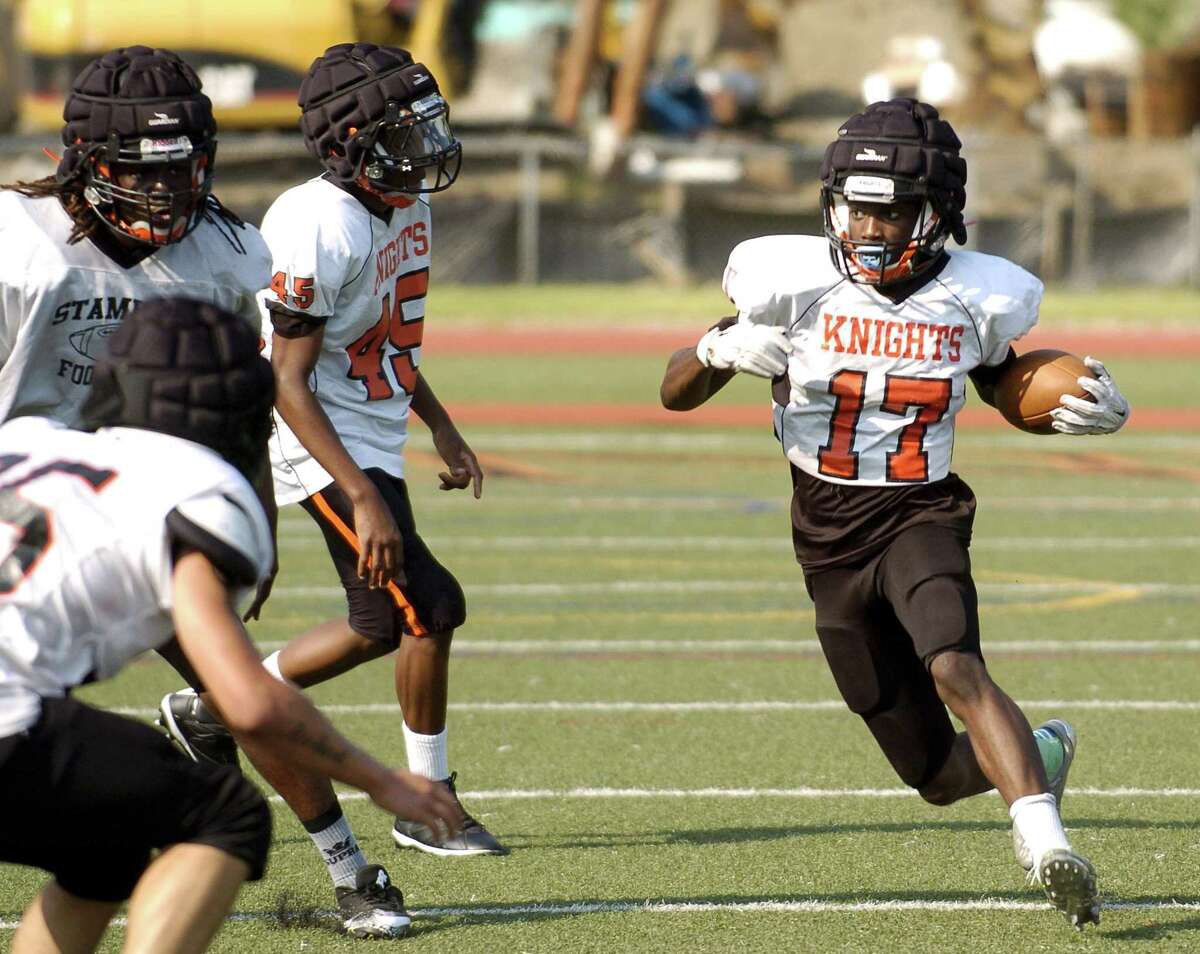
(760,350)
(1106,414)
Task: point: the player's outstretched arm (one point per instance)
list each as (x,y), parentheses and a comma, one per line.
(464,470)
(687,383)
(261,710)
(695,375)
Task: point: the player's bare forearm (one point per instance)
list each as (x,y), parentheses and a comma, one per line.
(428,408)
(464,470)
(258,707)
(687,383)
(268,715)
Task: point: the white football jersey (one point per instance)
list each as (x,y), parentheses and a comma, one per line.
(85,553)
(59,302)
(875,386)
(334,260)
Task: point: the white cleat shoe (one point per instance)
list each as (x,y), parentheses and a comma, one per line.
(1062,730)
(1069,881)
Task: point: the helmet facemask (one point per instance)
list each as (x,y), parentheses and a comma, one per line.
(411,150)
(152,190)
(870,261)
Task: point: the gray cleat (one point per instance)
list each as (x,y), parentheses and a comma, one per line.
(1062,730)
(472,837)
(1069,881)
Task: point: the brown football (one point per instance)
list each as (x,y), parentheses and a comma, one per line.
(1030,389)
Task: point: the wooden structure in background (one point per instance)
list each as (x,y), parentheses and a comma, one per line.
(579,61)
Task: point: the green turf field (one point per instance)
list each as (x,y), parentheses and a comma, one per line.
(639,710)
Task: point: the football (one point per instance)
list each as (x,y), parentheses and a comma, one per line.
(1030,389)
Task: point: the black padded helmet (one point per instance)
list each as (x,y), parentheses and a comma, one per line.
(189,369)
(141,108)
(894,151)
(372,116)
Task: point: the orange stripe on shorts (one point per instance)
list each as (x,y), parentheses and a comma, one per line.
(410,614)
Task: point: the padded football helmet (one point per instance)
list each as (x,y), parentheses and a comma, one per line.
(893,152)
(189,369)
(141,136)
(373,117)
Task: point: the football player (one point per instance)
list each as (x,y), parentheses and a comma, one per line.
(117,539)
(344,316)
(869,337)
(128,216)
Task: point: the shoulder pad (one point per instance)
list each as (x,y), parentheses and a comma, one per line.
(226,530)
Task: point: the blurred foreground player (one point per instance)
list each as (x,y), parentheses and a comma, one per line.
(344,318)
(869,355)
(115,539)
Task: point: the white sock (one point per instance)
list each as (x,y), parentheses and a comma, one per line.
(427,754)
(1037,819)
(339,849)
(271,665)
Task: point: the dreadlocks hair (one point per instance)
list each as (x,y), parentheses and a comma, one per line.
(85,222)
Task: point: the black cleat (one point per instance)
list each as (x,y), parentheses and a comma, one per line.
(374,907)
(472,837)
(189,724)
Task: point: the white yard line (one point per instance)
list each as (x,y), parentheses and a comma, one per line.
(551,502)
(799,906)
(769,544)
(803,792)
(518,647)
(757,705)
(617,587)
(759,442)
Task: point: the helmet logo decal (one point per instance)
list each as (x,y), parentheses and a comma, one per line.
(162,119)
(870,155)
(870,188)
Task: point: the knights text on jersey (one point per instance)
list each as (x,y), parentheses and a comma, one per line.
(86,553)
(59,302)
(365,280)
(873,386)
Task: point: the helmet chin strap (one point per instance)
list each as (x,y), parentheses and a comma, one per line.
(397,200)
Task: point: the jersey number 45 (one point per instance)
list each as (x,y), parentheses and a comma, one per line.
(367,351)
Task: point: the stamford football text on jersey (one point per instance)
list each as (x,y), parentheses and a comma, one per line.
(60,302)
(85,554)
(873,386)
(366,280)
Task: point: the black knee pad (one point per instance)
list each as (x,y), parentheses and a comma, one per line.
(943,615)
(229,813)
(449,610)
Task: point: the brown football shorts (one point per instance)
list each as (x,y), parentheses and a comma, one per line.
(423,598)
(881,624)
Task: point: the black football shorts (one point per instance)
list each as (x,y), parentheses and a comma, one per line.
(882,623)
(423,598)
(88,796)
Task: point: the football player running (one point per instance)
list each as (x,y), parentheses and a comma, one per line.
(128,216)
(344,317)
(869,336)
(144,528)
